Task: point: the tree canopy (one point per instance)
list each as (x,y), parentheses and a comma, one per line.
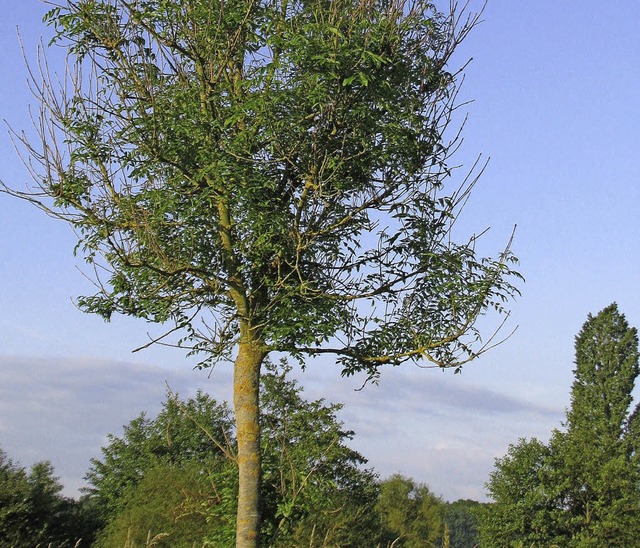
(314,485)
(165,477)
(411,516)
(265,176)
(197,430)
(271,164)
(583,487)
(461,522)
(34,512)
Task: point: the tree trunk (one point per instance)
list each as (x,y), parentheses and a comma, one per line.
(246,387)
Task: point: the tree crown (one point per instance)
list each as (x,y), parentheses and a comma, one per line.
(278,169)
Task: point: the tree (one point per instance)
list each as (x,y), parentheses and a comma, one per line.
(601,484)
(14,500)
(524,511)
(314,485)
(583,488)
(267,176)
(198,431)
(410,515)
(33,511)
(169,504)
(162,477)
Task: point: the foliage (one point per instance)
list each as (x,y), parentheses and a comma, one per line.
(290,155)
(524,508)
(15,510)
(33,511)
(583,488)
(197,430)
(169,504)
(461,522)
(267,176)
(314,487)
(86,520)
(172,475)
(601,483)
(162,477)
(410,515)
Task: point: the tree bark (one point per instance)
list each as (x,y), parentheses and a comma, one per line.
(246,389)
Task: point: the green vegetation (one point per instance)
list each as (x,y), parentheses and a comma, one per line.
(183,433)
(583,487)
(33,512)
(169,504)
(275,177)
(267,177)
(313,484)
(411,516)
(178,472)
(461,524)
(171,481)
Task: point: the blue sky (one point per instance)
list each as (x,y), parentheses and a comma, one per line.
(555,88)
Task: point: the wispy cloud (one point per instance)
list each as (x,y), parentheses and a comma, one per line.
(62,409)
(434,427)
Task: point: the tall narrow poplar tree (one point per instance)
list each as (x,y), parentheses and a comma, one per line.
(583,488)
(600,480)
(267,175)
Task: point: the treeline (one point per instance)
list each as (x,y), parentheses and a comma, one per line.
(34,513)
(171,480)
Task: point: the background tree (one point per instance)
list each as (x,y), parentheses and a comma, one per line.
(410,514)
(523,513)
(461,521)
(33,510)
(14,501)
(266,176)
(198,430)
(583,488)
(162,476)
(171,504)
(601,486)
(315,489)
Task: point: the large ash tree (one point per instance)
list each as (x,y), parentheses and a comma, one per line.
(267,176)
